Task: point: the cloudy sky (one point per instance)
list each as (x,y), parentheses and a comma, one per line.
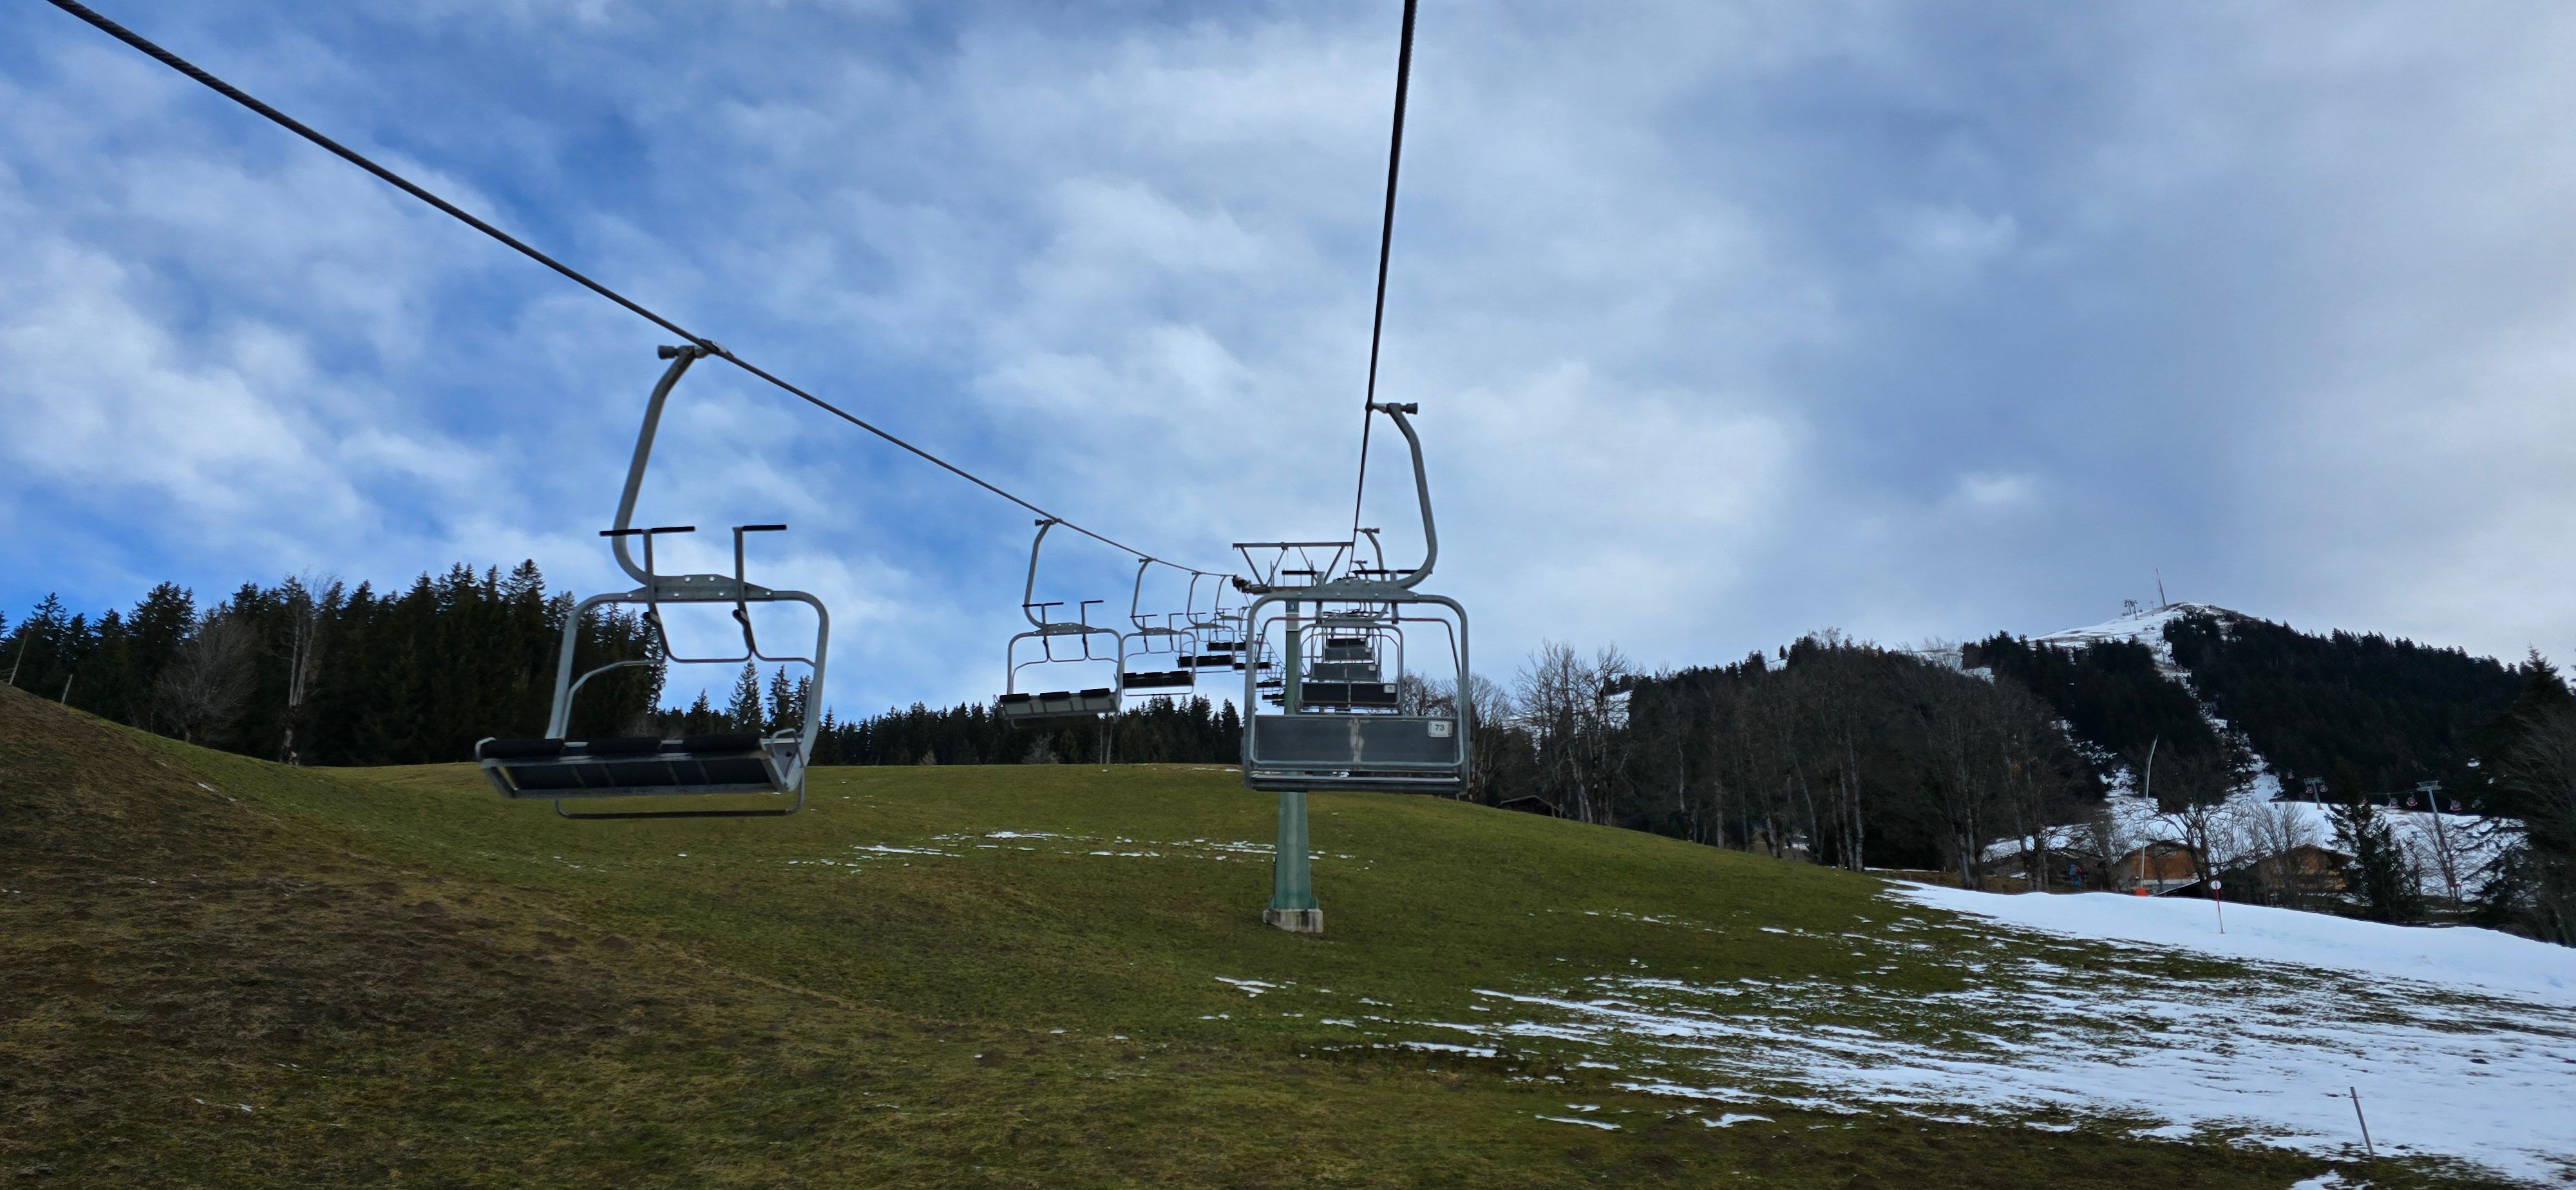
(1728,320)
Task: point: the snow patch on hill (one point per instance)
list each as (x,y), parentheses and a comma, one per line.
(2448,958)
(2130,1011)
(2146,628)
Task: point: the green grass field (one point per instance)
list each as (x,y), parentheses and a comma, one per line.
(225,972)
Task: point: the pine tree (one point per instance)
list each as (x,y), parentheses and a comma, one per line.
(744,713)
(2380,872)
(786,707)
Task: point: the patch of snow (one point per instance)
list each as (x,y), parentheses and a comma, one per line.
(1443,1047)
(2146,628)
(1604,1125)
(2463,1035)
(1731,1119)
(2454,957)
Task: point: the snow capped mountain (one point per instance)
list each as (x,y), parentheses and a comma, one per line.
(2145,626)
(2453,852)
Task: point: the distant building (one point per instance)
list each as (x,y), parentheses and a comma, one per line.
(2294,876)
(2159,867)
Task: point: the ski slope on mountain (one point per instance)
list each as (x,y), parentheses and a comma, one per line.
(2471,844)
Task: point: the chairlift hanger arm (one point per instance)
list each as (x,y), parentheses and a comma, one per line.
(681,357)
(1421,489)
(1029,590)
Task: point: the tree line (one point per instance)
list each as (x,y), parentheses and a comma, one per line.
(1830,750)
(314,671)
(1838,751)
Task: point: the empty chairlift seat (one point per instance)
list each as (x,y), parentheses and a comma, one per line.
(1346,694)
(1390,753)
(1057,704)
(1160,679)
(1057,707)
(1344,730)
(630,766)
(559,768)
(1347,660)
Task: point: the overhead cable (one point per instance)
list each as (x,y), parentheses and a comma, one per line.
(407,186)
(1385,242)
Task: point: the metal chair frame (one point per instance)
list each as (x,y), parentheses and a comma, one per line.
(1300,749)
(1148,639)
(623,768)
(1077,705)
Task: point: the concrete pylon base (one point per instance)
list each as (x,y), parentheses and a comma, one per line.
(1295,921)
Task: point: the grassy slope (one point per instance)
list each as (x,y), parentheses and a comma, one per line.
(403,976)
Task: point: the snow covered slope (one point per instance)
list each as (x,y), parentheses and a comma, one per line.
(2449,958)
(2146,628)
(2458,1040)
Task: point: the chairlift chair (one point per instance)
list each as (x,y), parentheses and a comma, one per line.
(1152,639)
(558,768)
(1057,707)
(1346,670)
(1338,725)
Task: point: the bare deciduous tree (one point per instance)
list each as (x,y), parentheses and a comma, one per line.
(208,682)
(1574,710)
(2108,839)
(2192,788)
(2268,839)
(309,600)
(1489,716)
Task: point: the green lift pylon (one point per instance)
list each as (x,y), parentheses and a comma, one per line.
(1292,886)
(1292,883)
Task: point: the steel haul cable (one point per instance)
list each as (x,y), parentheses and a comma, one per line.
(407,186)
(1385,243)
